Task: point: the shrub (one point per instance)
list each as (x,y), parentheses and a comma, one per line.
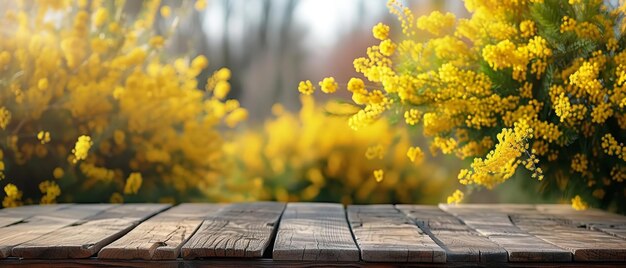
(93,109)
(521,87)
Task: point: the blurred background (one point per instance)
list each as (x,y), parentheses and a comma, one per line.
(290,148)
(271,45)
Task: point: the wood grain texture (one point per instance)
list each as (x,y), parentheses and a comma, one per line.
(43,223)
(594,219)
(585,244)
(237,230)
(619,231)
(588,217)
(14,215)
(590,235)
(84,239)
(460,242)
(385,234)
(493,222)
(162,236)
(5,221)
(315,232)
(31,210)
(311,235)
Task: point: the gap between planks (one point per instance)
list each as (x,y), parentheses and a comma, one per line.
(162,236)
(544,235)
(384,234)
(84,239)
(236,230)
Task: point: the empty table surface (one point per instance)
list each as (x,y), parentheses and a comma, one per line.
(310,234)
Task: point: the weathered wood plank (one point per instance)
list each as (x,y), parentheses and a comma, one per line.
(585,244)
(10,216)
(595,219)
(460,242)
(315,232)
(385,234)
(84,239)
(526,234)
(162,236)
(31,210)
(5,221)
(44,223)
(237,230)
(619,231)
(493,222)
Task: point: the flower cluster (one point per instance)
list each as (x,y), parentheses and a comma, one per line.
(94,108)
(313,155)
(536,84)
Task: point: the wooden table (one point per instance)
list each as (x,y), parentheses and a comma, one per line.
(310,234)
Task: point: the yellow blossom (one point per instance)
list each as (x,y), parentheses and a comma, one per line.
(501,163)
(378,175)
(200,62)
(223,74)
(416,155)
(5,117)
(601,113)
(11,190)
(412,116)
(221,89)
(387,47)
(327,85)
(455,197)
(527,28)
(612,147)
(568,24)
(618,173)
(43,137)
(235,117)
(13,196)
(405,16)
(50,191)
(133,183)
(356,85)
(380,31)
(579,163)
(306,87)
(81,148)
(579,204)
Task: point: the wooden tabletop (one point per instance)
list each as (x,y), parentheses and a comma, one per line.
(310,234)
